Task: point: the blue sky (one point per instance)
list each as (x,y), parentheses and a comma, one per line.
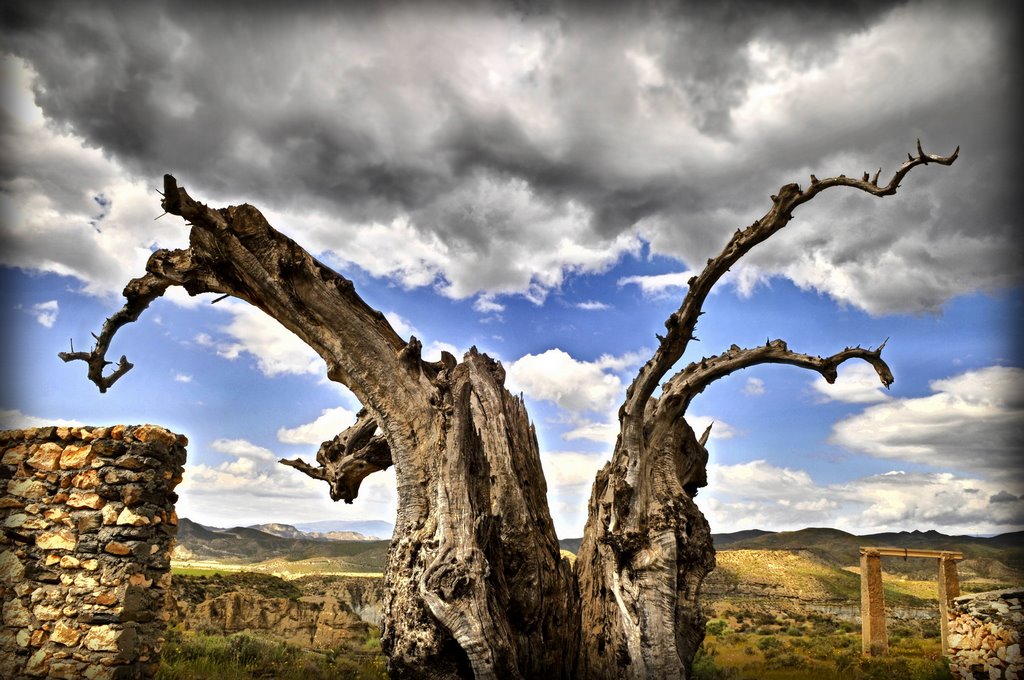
(538,185)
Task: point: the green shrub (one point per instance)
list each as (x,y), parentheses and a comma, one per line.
(903,668)
(785,660)
(716,627)
(770,644)
(705,668)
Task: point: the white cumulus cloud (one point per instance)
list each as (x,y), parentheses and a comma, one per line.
(13,419)
(757,494)
(330,422)
(659,285)
(857,383)
(576,386)
(973,421)
(45,313)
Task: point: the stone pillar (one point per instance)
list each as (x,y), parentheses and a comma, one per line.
(949,588)
(874,637)
(88,521)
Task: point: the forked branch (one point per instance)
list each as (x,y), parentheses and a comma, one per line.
(165,268)
(235,251)
(680,390)
(139,293)
(682,323)
(348,458)
(870,185)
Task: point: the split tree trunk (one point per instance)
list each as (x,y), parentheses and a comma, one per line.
(477,588)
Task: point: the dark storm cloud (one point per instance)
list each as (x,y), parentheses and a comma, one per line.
(638,114)
(171,85)
(1002,497)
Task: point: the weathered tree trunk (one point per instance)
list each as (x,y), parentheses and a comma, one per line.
(645,552)
(477,588)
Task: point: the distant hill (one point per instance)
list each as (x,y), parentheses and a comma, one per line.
(998,558)
(288,531)
(374,527)
(724,540)
(248,545)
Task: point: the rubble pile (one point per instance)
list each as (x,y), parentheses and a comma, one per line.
(985,632)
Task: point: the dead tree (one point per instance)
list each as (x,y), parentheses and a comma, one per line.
(477,587)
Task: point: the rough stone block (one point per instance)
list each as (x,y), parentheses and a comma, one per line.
(75,457)
(102,639)
(64,539)
(154,433)
(87,499)
(11,570)
(15,455)
(46,612)
(65,634)
(89,479)
(15,614)
(44,456)
(131,518)
(27,488)
(117,548)
(65,670)
(39,663)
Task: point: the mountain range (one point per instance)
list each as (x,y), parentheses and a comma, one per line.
(999,558)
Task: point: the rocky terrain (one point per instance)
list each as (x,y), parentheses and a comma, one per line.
(314,612)
(801,572)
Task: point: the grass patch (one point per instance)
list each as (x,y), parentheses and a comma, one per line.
(753,645)
(196,571)
(189,655)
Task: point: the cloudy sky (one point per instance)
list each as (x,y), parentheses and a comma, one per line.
(538,180)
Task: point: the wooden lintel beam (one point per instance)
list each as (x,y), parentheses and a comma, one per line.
(912,552)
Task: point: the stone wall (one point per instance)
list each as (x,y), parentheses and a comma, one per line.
(88,520)
(985,632)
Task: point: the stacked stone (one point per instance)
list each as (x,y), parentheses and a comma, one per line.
(985,632)
(88,521)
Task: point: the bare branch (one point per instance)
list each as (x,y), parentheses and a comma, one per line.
(871,186)
(704,437)
(680,390)
(165,268)
(348,458)
(264,267)
(235,251)
(681,323)
(139,293)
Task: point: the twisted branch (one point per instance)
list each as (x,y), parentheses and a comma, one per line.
(348,458)
(682,323)
(164,269)
(139,293)
(680,390)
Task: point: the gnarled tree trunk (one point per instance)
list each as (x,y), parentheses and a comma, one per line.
(477,588)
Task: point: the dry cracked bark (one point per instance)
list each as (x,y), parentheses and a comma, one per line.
(476,584)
